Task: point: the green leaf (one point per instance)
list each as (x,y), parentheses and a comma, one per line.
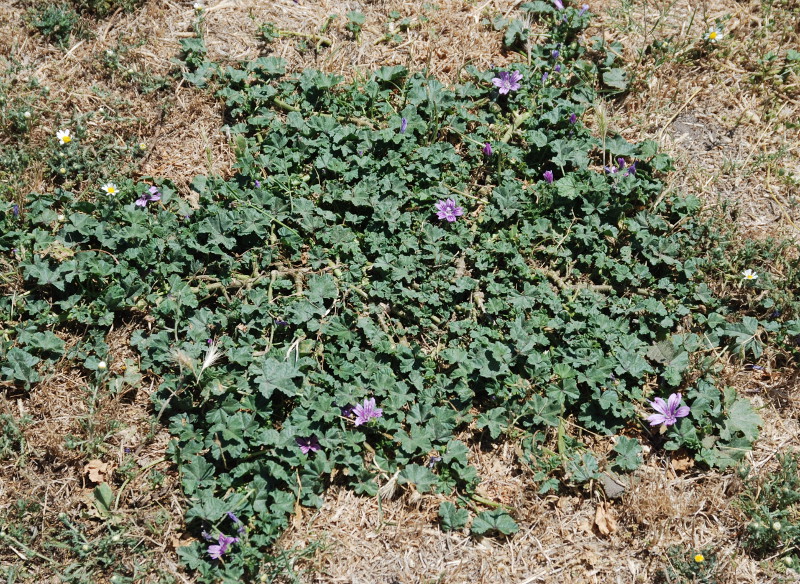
(198,474)
(20,366)
(418,475)
(494,521)
(272,374)
(451,517)
(628,453)
(103,500)
(742,418)
(616,78)
(583,468)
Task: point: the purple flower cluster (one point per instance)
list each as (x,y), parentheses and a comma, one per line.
(447,209)
(621,168)
(548,176)
(506,81)
(149,197)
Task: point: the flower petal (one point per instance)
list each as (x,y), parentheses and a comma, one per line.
(659,405)
(656,419)
(682,412)
(674,400)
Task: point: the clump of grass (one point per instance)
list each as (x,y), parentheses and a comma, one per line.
(771,503)
(56,22)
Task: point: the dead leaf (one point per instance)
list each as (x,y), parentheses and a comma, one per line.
(604,520)
(681,464)
(181,540)
(98,471)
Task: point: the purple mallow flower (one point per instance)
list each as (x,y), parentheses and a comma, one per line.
(403,125)
(548,176)
(258,184)
(573,118)
(223,542)
(487,150)
(620,167)
(555,54)
(506,81)
(448,209)
(584,8)
(237,521)
(557,68)
(310,444)
(544,77)
(148,197)
(668,412)
(366,411)
(558,4)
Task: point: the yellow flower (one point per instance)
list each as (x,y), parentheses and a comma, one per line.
(699,558)
(63,136)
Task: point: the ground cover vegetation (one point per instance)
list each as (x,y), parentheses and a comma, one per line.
(398,270)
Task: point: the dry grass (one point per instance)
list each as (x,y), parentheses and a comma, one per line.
(730,138)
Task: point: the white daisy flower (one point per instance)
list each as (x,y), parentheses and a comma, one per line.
(198,7)
(110,188)
(749,275)
(27,115)
(713,35)
(102,366)
(64,136)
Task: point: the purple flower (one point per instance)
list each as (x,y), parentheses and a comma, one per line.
(544,77)
(217,551)
(555,54)
(347,411)
(631,169)
(558,4)
(145,198)
(403,125)
(236,520)
(310,444)
(506,81)
(584,8)
(548,176)
(668,412)
(15,210)
(557,68)
(366,411)
(487,150)
(448,209)
(573,118)
(258,184)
